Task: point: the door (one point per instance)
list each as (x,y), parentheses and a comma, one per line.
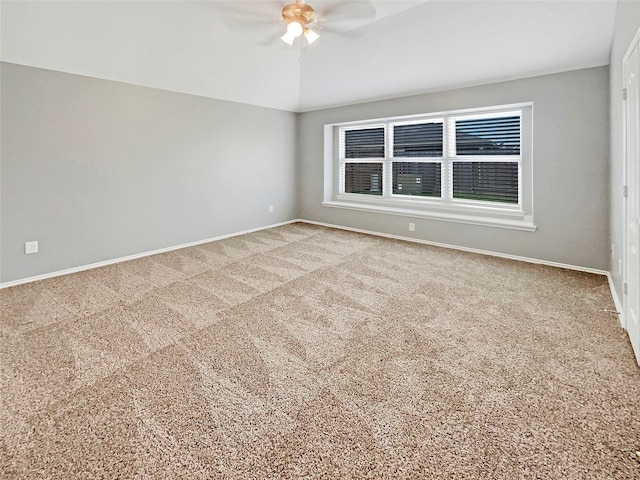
(632,210)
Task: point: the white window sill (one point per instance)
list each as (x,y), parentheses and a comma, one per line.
(511,220)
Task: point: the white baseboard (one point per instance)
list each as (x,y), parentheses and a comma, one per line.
(137,255)
(464,249)
(311,222)
(616,301)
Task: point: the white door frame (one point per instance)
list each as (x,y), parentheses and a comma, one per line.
(625,259)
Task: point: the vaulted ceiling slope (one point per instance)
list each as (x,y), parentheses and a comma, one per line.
(407,47)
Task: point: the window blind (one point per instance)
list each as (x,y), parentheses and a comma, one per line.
(365,178)
(418,140)
(486,181)
(488,136)
(417,178)
(364,143)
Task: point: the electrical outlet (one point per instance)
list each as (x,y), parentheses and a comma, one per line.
(271,208)
(613,254)
(412,227)
(30,247)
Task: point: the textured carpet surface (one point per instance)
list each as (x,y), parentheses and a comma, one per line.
(307,352)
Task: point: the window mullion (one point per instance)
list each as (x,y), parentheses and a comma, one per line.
(387,165)
(448,155)
(387,174)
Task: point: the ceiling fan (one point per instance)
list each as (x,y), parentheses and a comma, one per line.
(298,16)
(298,20)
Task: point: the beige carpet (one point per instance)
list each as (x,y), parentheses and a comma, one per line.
(307,352)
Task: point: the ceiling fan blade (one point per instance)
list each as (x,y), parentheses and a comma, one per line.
(272,38)
(244,16)
(244,26)
(348,15)
(350,34)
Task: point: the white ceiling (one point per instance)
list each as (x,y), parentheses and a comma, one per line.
(205,48)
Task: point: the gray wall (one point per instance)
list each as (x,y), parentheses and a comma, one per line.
(626,25)
(95,170)
(570,168)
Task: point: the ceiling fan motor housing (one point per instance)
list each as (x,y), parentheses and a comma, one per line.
(298,12)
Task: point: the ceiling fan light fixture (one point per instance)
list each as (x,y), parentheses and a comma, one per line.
(310,35)
(294,29)
(288,38)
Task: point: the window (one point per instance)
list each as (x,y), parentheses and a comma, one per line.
(473,166)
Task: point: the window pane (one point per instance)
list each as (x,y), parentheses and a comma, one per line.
(422,179)
(417,140)
(486,181)
(488,136)
(365,143)
(363,178)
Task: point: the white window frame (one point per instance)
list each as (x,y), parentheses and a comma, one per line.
(446,208)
